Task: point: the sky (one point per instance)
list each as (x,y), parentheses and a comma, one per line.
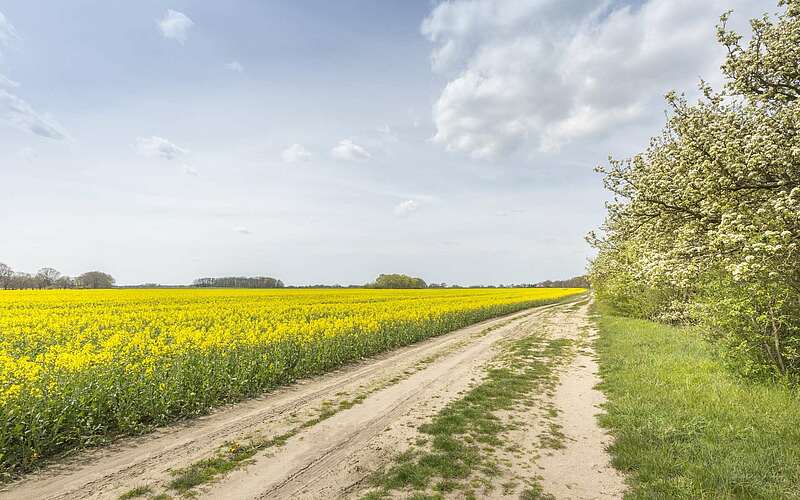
(328,142)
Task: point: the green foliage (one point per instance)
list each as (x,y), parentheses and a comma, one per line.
(705,223)
(574,282)
(397,281)
(615,275)
(685,427)
(757,324)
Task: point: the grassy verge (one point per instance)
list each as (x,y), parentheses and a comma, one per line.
(685,427)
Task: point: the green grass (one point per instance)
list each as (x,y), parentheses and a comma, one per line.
(206,470)
(535,492)
(463,434)
(686,427)
(137,492)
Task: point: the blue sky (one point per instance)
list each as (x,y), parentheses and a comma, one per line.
(324,142)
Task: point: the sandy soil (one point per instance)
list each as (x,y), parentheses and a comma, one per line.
(582,469)
(395,393)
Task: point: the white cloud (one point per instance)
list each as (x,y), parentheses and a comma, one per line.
(295,154)
(189,170)
(7,32)
(242,230)
(348,150)
(518,82)
(235,66)
(407,207)
(175,25)
(415,203)
(158,147)
(16,111)
(21,115)
(7,83)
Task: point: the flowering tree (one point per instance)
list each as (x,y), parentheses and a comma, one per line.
(705,223)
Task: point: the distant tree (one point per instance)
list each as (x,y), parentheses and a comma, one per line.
(5,276)
(47,276)
(64,282)
(397,281)
(95,279)
(22,281)
(576,282)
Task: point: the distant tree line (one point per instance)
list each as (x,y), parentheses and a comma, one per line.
(47,277)
(335,285)
(238,282)
(576,282)
(404,281)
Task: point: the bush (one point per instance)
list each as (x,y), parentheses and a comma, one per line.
(705,223)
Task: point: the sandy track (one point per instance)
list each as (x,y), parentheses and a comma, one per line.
(325,460)
(581,470)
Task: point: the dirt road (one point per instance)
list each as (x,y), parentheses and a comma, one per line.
(324,437)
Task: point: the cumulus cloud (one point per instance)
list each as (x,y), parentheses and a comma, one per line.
(536,74)
(16,111)
(158,147)
(235,66)
(414,203)
(348,150)
(21,115)
(175,25)
(242,230)
(407,207)
(295,154)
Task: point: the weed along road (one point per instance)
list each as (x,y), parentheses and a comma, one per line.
(499,409)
